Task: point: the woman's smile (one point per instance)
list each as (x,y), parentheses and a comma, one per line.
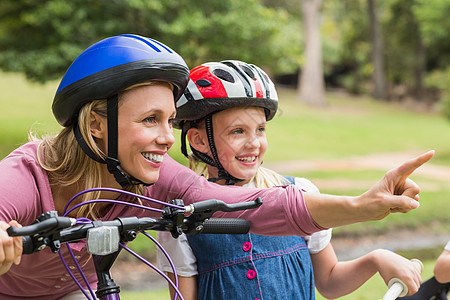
(145,130)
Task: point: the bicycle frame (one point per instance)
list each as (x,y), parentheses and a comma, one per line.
(51,230)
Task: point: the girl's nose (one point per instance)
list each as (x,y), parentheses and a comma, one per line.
(253,142)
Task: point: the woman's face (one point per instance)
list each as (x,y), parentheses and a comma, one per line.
(145,130)
(240,138)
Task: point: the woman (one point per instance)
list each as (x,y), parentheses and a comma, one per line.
(223,113)
(116,103)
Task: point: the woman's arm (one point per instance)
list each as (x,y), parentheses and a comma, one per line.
(442,267)
(395,192)
(291,211)
(335,279)
(10,248)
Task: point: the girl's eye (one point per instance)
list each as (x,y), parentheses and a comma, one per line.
(171,121)
(237,131)
(262,129)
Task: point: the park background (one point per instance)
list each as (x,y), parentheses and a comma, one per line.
(381,96)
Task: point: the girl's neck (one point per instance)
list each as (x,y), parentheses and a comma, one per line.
(213,172)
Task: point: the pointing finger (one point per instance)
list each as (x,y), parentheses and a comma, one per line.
(411,165)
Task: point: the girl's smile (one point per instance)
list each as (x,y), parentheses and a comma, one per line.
(240,138)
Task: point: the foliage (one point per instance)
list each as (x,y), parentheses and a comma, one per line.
(42,38)
(434,26)
(439,80)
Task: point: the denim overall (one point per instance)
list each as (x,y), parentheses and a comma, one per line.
(250,266)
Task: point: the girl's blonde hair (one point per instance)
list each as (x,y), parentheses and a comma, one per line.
(264,178)
(67,164)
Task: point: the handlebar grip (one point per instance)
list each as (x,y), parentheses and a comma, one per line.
(226,226)
(398,288)
(218,205)
(27,244)
(49,224)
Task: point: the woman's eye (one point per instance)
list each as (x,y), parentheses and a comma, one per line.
(151,119)
(262,129)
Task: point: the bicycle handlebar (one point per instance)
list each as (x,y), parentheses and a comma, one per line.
(398,288)
(52,230)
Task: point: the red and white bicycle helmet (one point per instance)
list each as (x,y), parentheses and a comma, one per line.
(215,86)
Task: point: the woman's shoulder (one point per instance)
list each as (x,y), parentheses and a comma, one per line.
(27,152)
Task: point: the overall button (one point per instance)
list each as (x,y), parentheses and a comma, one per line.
(251,274)
(246,246)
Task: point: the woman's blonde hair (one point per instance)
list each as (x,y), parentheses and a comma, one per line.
(67,164)
(264,178)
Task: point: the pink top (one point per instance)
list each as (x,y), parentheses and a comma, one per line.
(25,194)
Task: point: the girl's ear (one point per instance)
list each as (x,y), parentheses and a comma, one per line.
(197,139)
(98,125)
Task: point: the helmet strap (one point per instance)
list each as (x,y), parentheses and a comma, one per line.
(112,161)
(222,173)
(84,146)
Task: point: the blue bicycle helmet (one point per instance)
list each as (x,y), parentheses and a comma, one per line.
(107,68)
(113,64)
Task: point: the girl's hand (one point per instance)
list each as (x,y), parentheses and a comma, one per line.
(10,247)
(391,265)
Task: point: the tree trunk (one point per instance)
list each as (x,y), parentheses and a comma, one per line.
(379,74)
(420,70)
(311,79)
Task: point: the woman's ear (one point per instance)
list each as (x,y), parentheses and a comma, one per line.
(98,125)
(197,139)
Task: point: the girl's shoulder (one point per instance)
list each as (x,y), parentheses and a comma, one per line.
(306,185)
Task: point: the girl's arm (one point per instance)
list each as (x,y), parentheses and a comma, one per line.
(335,279)
(186,285)
(442,267)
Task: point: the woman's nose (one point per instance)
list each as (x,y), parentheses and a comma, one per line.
(166,136)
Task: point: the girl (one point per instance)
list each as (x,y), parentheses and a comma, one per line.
(116,103)
(223,114)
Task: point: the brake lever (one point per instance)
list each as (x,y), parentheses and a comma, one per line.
(202,212)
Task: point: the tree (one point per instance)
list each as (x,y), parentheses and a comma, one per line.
(311,79)
(41,38)
(379,75)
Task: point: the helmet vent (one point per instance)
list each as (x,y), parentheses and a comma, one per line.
(224,75)
(203,82)
(248,72)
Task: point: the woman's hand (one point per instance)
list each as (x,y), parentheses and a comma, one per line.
(10,247)
(395,192)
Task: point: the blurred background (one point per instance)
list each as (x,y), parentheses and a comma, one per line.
(363,86)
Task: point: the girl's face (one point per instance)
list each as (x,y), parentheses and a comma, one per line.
(240,138)
(145,130)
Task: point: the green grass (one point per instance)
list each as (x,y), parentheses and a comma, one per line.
(145,295)
(350,126)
